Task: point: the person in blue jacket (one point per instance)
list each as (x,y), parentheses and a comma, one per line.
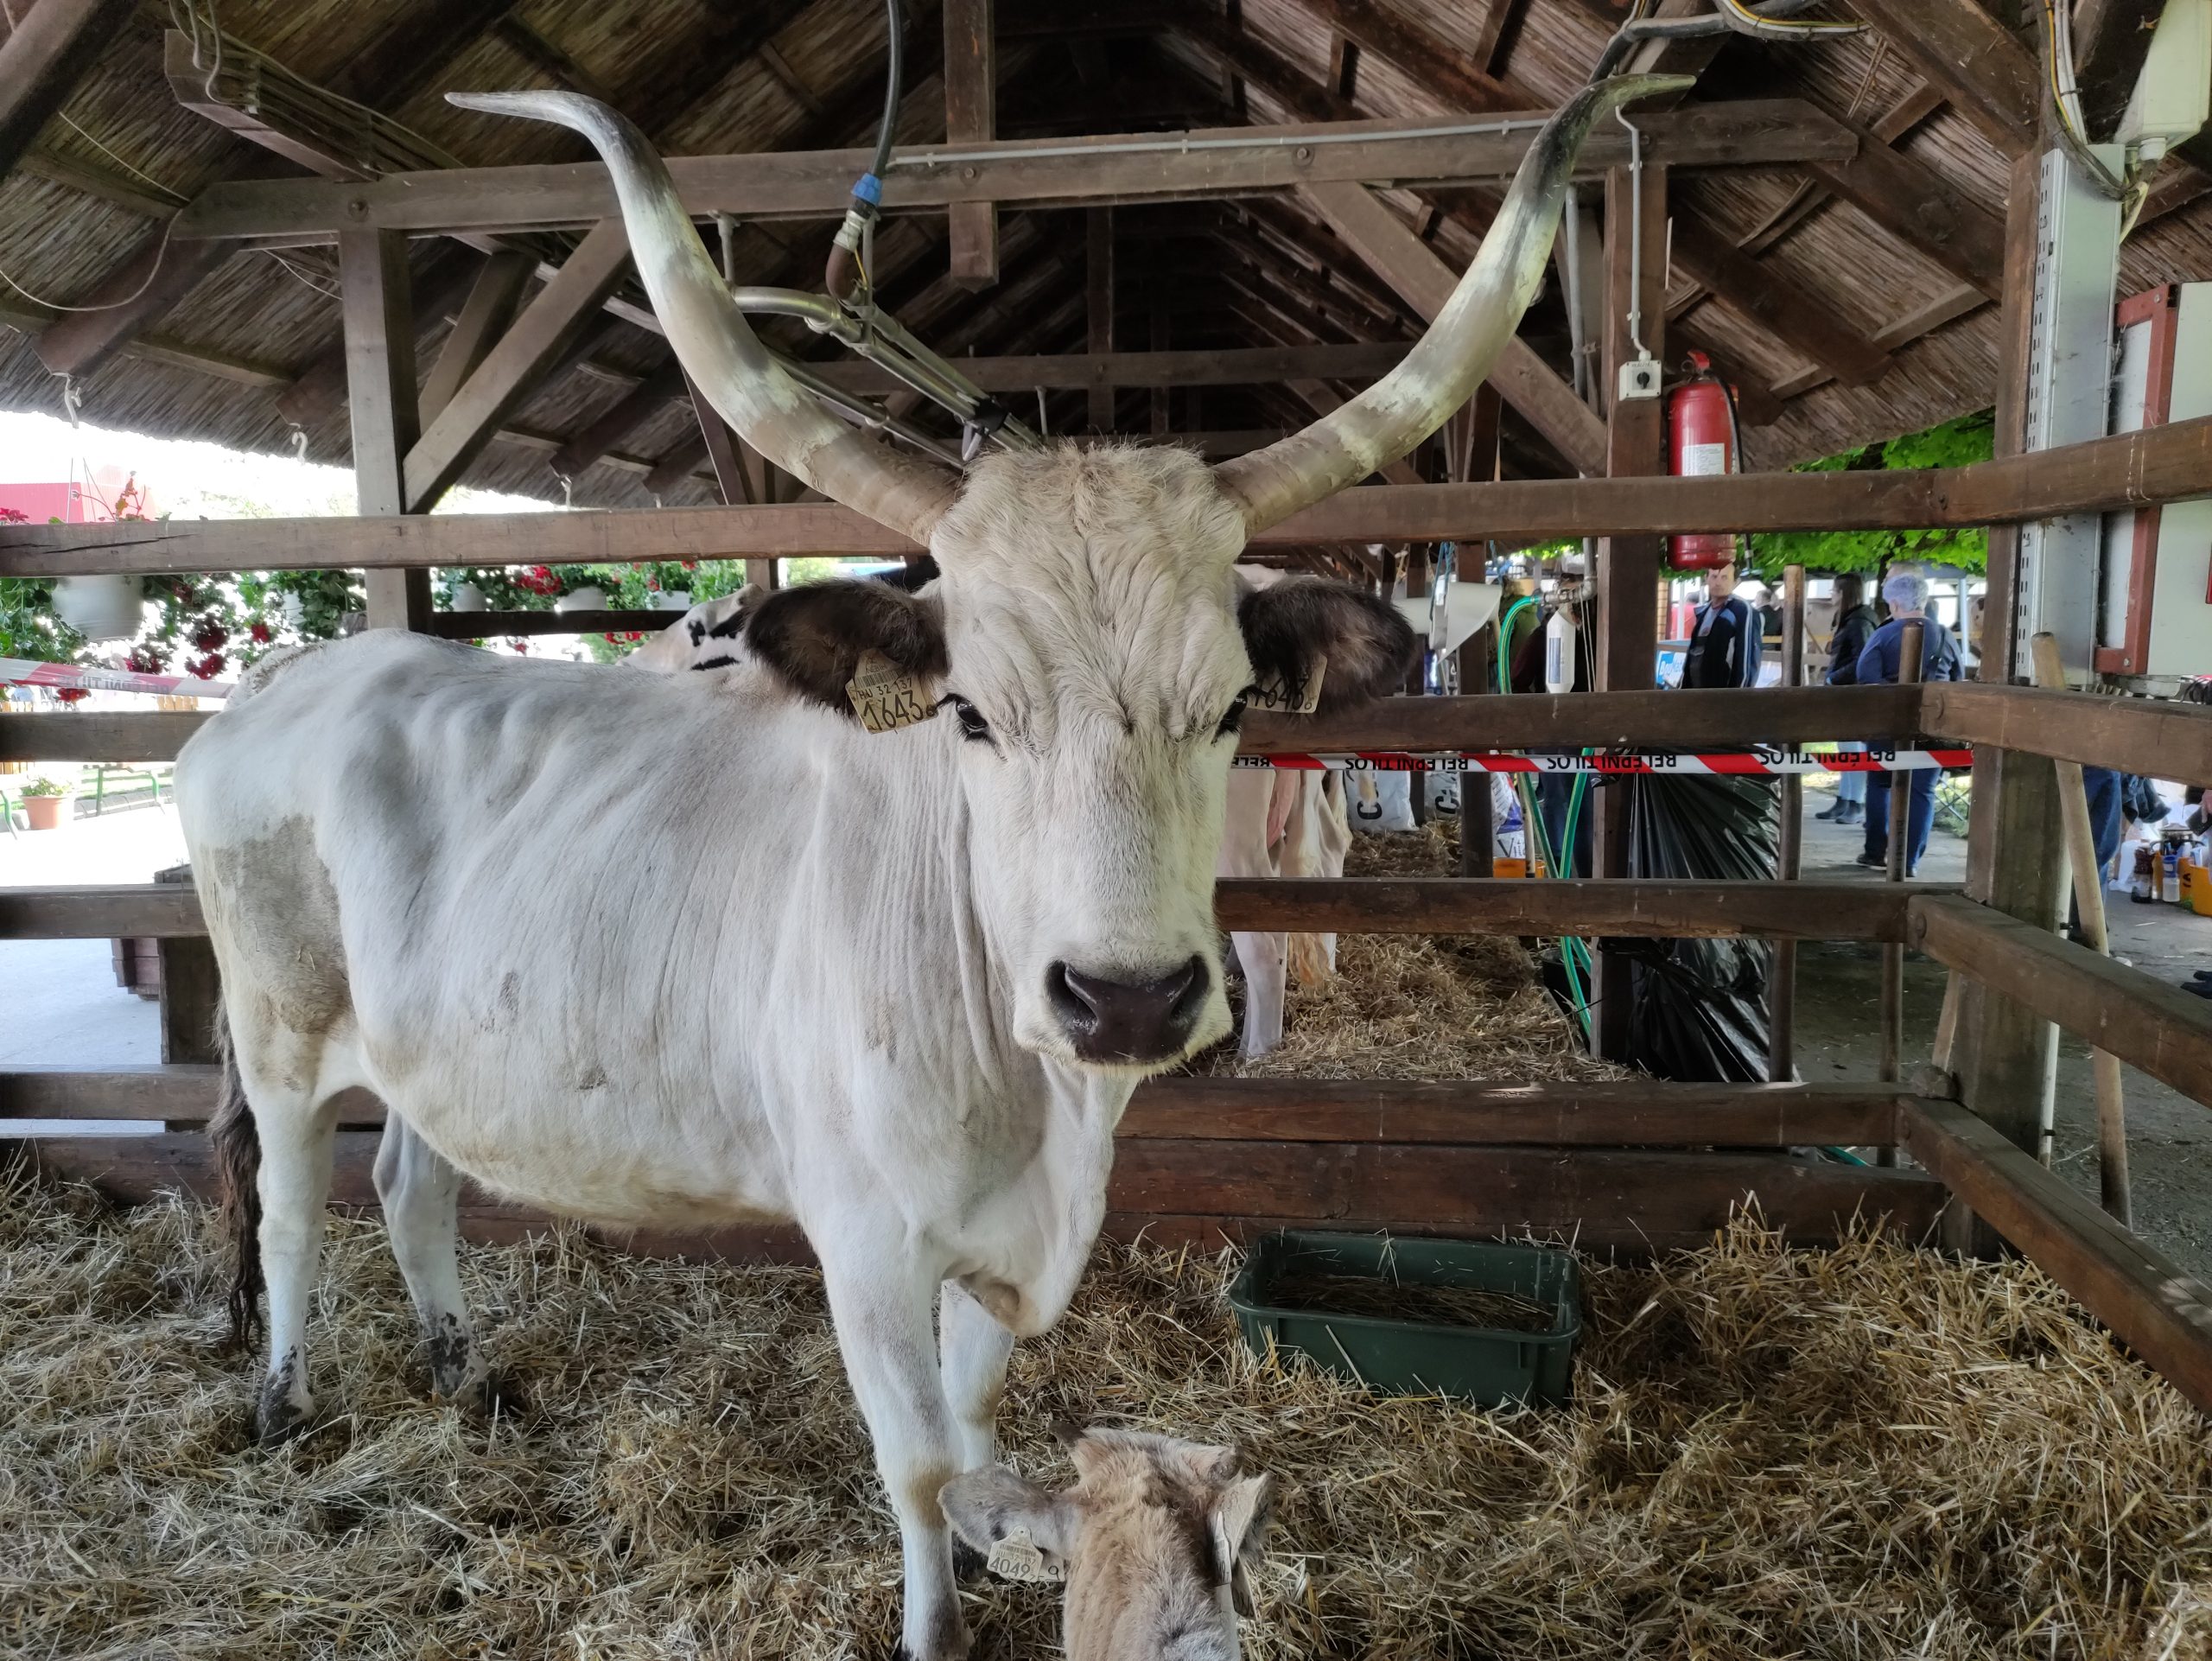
(1855,623)
(1878,664)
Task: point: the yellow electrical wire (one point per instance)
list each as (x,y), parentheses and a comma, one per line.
(1814,28)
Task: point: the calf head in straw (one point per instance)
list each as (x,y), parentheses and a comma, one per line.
(1157,1540)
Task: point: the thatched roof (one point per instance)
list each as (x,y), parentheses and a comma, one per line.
(707,76)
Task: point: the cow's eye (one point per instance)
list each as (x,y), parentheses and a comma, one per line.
(972,724)
(1233,720)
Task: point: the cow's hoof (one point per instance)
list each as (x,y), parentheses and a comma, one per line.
(496,1395)
(968,1565)
(277,1418)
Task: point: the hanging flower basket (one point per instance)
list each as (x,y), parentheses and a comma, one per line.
(100,608)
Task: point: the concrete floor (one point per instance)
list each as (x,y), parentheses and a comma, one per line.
(2169,1137)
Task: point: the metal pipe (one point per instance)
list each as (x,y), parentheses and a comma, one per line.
(1183,144)
(1910,654)
(1782,973)
(1635,238)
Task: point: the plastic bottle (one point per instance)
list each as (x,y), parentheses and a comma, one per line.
(2139,891)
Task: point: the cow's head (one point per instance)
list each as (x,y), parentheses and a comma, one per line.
(1157,1540)
(1089,630)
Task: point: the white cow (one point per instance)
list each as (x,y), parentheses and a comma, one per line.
(539,909)
(1277,823)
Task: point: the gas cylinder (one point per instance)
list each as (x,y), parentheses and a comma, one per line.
(1700,441)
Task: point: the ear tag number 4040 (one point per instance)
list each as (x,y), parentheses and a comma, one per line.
(887,697)
(1292,694)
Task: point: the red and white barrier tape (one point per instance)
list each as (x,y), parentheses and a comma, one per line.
(23,671)
(1758,763)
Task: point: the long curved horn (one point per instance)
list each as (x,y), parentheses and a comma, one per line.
(715,345)
(1446,365)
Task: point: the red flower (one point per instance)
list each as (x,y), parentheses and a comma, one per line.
(521,647)
(72,694)
(208,634)
(146,660)
(609,638)
(14,516)
(690,564)
(260,632)
(208,667)
(539,579)
(633,634)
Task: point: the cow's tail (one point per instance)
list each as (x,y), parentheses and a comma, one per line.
(237,1147)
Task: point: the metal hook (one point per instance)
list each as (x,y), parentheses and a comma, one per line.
(299,443)
(72,399)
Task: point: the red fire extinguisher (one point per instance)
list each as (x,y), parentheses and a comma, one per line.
(1700,441)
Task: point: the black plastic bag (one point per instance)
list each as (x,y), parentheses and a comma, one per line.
(1700,1013)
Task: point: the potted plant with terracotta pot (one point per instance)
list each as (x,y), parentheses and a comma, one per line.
(46,804)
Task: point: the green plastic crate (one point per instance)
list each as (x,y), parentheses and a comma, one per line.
(1486,1366)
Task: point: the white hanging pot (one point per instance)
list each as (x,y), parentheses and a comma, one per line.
(466,596)
(672,600)
(293,608)
(100,608)
(591,597)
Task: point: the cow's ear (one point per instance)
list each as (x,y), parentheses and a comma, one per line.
(813,636)
(1360,645)
(991,1507)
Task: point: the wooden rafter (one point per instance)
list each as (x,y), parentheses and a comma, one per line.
(1983,69)
(48,51)
(485,315)
(970,104)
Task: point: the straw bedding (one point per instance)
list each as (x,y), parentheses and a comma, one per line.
(1862,1452)
(1406,1006)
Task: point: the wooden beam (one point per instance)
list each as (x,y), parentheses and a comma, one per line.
(971,107)
(1984,70)
(1397,41)
(541,337)
(152,279)
(2144,1021)
(1212,162)
(2153,1305)
(1568,722)
(641,404)
(19,313)
(513,32)
(2159,464)
(1523,380)
(382,403)
(1633,1112)
(1924,209)
(483,317)
(1602,1199)
(1805,911)
(1800,320)
(50,49)
(1098,308)
(732,478)
(75,173)
(1454,1113)
(1492,44)
(2151,737)
(1590,908)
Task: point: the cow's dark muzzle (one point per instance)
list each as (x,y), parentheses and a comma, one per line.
(1117,1021)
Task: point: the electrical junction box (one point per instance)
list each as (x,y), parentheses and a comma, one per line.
(2154,579)
(1639,379)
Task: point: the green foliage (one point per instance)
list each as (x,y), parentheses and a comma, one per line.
(45,786)
(1949,444)
(29,627)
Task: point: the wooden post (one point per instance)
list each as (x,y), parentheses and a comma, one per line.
(1159,322)
(2006,1056)
(1782,973)
(2089,904)
(970,106)
(1627,566)
(382,403)
(1911,651)
(1099,298)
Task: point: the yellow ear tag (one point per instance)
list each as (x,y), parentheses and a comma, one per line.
(887,697)
(1015,1558)
(1292,697)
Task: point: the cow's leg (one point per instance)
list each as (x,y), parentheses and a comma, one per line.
(974,1348)
(421,1193)
(295,1133)
(880,1300)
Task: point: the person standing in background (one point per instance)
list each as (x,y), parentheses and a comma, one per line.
(1855,623)
(1724,641)
(1878,665)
